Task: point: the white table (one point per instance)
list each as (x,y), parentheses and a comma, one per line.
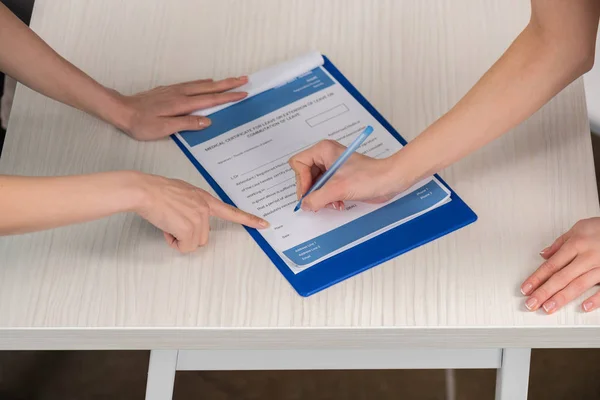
(592,91)
(113,284)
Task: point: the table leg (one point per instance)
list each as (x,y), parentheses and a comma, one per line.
(161,374)
(512,379)
(450,384)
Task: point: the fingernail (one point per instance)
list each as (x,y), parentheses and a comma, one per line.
(587,306)
(549,306)
(530,303)
(525,289)
(334,206)
(203,122)
(264,223)
(243,78)
(544,251)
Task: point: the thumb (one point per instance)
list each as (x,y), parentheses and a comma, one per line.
(553,248)
(186,123)
(331,192)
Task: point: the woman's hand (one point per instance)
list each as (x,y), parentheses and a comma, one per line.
(361,178)
(163,111)
(145,116)
(572,266)
(182,211)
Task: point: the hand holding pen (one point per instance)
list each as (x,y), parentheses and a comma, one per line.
(324,173)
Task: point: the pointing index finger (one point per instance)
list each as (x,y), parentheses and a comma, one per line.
(233,214)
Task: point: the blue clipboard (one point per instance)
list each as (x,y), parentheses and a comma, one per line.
(414,233)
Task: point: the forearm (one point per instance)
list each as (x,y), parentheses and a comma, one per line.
(29,60)
(528,75)
(30,204)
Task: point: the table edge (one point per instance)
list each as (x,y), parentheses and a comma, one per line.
(296,338)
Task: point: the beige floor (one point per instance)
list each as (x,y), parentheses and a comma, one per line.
(555,375)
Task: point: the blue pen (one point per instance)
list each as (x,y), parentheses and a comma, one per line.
(338,163)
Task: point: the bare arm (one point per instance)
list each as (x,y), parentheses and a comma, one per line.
(556,47)
(29,60)
(144,116)
(181,210)
(30,204)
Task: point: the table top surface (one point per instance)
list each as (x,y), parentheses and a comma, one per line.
(113,283)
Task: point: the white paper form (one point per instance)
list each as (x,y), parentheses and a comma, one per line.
(247,148)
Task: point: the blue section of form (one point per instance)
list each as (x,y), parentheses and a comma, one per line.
(421,199)
(262,104)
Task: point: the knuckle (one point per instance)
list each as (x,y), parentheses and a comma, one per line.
(548,267)
(199,199)
(187,229)
(584,227)
(202,209)
(578,244)
(561,277)
(327,143)
(226,83)
(308,203)
(591,259)
(580,285)
(232,210)
(197,218)
(165,125)
(581,224)
(324,145)
(535,280)
(559,298)
(542,293)
(205,211)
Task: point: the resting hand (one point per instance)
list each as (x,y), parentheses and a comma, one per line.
(164,110)
(572,266)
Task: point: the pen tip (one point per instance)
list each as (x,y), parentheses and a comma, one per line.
(297,207)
